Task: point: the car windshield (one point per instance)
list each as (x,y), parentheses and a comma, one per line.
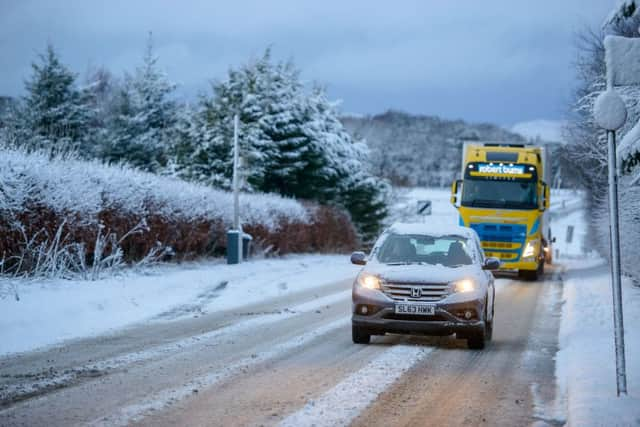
(499,194)
(450,251)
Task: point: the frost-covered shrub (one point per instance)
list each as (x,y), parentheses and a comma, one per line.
(41,198)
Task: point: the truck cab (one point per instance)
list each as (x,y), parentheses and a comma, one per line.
(503,195)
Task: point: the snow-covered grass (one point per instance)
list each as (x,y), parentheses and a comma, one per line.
(586,360)
(49,312)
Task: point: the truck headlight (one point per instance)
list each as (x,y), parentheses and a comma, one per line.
(464,285)
(530,248)
(369,281)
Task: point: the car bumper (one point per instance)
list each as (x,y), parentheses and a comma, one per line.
(520,265)
(448,318)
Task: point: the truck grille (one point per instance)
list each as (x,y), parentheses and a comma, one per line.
(503,241)
(401,291)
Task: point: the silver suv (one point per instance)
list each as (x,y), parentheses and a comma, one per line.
(422,279)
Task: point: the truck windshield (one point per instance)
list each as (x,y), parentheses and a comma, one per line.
(499,194)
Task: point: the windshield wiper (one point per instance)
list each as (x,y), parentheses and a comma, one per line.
(408,263)
(487,203)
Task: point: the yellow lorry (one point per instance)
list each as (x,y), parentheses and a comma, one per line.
(504,196)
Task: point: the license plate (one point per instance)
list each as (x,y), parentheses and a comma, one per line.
(423,309)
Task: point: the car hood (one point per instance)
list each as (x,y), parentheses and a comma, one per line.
(423,273)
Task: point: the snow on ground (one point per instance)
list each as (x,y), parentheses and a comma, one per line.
(49,312)
(585,364)
(586,360)
(405,207)
(340,405)
(157,401)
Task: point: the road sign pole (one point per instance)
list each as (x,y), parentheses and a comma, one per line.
(610,112)
(621,374)
(234,237)
(236,183)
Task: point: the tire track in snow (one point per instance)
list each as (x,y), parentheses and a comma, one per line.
(343,403)
(28,390)
(160,400)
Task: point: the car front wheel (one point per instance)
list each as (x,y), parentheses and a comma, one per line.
(478,340)
(359,335)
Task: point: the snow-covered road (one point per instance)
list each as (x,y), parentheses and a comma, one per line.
(283,361)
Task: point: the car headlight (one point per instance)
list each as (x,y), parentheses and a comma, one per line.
(530,248)
(464,285)
(369,281)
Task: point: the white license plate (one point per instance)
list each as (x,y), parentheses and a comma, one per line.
(423,309)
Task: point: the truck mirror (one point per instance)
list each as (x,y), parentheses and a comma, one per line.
(454,191)
(547,193)
(545,197)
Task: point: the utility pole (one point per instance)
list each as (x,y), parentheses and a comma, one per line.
(234,236)
(236,180)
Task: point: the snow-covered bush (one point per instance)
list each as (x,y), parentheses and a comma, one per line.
(61,206)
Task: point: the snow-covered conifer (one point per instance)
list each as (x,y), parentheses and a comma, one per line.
(54,115)
(144,118)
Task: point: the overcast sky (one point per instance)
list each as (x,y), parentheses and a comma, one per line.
(479,60)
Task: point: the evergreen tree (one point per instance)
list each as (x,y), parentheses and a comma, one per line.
(345,177)
(144,119)
(200,153)
(291,141)
(54,115)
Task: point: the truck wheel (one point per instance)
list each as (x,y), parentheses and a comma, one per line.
(531,275)
(360,336)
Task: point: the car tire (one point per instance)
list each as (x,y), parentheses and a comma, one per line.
(359,335)
(477,340)
(488,335)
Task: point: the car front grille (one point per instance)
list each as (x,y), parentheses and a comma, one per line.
(401,291)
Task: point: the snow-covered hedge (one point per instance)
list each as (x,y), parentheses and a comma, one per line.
(40,197)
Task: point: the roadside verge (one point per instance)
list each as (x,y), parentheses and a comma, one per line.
(585,367)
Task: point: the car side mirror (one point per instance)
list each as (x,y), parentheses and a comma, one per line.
(358,258)
(491,264)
